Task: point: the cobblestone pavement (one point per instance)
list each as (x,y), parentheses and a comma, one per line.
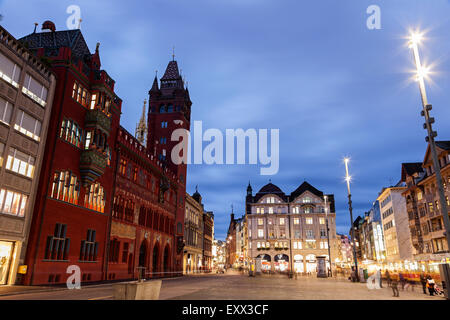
(237,287)
(234,286)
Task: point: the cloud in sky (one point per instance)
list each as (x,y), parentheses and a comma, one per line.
(311,69)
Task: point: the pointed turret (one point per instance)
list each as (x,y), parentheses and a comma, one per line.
(154,91)
(155,86)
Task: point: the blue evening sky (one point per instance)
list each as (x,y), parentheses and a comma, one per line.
(309,68)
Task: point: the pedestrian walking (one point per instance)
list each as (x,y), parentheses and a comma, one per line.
(423,281)
(402,280)
(394,286)
(353,275)
(379,278)
(430,285)
(388,278)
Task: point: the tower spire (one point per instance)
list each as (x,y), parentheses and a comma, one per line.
(141,127)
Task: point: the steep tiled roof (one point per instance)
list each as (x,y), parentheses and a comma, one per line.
(66,38)
(172,72)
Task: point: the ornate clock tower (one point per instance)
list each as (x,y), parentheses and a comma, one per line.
(170,109)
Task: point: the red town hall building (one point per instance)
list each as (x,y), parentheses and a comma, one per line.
(105,202)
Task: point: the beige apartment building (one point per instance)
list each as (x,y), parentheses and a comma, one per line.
(26,95)
(288,232)
(424,210)
(193,234)
(395,223)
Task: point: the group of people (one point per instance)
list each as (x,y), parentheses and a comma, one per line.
(426,280)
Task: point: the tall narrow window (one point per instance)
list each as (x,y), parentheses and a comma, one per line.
(2,148)
(93,101)
(74,90)
(5,111)
(9,71)
(94,198)
(65,187)
(89,247)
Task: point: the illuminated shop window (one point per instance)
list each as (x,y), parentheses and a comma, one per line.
(94,198)
(9,71)
(28,125)
(66,187)
(35,90)
(5,111)
(13,203)
(20,162)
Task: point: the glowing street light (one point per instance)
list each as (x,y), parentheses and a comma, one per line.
(348,178)
(328,233)
(422,72)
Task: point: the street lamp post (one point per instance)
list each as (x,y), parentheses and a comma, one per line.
(328,234)
(347,178)
(421,73)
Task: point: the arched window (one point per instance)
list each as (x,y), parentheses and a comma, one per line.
(170,108)
(162,109)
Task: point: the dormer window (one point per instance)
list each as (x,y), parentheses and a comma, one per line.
(307,200)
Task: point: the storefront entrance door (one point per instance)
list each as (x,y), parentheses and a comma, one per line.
(6,250)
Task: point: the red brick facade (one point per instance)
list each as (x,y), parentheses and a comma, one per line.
(105,202)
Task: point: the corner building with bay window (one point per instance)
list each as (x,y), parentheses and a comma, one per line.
(289,231)
(71,214)
(26,94)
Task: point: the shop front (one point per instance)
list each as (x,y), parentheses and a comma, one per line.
(281,263)
(311,263)
(6,257)
(298,263)
(265,262)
